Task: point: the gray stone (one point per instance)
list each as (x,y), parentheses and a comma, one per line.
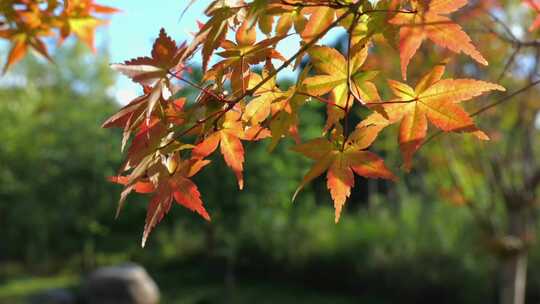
(53,296)
(124,284)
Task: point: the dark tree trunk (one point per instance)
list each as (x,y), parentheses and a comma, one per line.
(210,239)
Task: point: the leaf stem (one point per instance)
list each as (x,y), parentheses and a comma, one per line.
(326,101)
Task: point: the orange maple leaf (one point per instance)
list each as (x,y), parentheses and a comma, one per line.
(245,52)
(321,17)
(151,72)
(79,19)
(259,108)
(228,138)
(429,21)
(148,70)
(535,5)
(179,187)
(24,23)
(174,184)
(433,100)
(340,161)
(342,81)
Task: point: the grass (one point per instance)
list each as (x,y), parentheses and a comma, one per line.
(14,291)
(260,293)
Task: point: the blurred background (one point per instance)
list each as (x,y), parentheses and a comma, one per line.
(439,235)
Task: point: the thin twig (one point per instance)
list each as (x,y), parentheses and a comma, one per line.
(347,110)
(196,86)
(328,102)
(509,63)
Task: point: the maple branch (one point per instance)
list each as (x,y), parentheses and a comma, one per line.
(197,124)
(504,26)
(328,102)
(512,39)
(242,63)
(389,102)
(204,90)
(347,110)
(531,43)
(390,11)
(301,4)
(506,98)
(509,63)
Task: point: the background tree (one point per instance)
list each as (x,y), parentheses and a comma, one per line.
(498,182)
(44,106)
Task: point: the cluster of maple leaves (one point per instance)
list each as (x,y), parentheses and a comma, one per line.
(25,23)
(169,139)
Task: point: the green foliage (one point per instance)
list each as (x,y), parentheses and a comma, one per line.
(54,157)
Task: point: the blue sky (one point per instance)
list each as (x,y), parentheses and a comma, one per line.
(132,32)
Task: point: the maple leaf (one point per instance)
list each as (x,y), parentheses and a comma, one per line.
(79,19)
(20,44)
(281,107)
(151,72)
(435,100)
(341,161)
(128,118)
(259,108)
(140,186)
(148,70)
(228,139)
(320,19)
(170,181)
(256,11)
(286,118)
(370,25)
(177,186)
(212,33)
(140,154)
(25,22)
(26,35)
(240,55)
(429,21)
(289,16)
(87,7)
(535,5)
(342,81)
(84,28)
